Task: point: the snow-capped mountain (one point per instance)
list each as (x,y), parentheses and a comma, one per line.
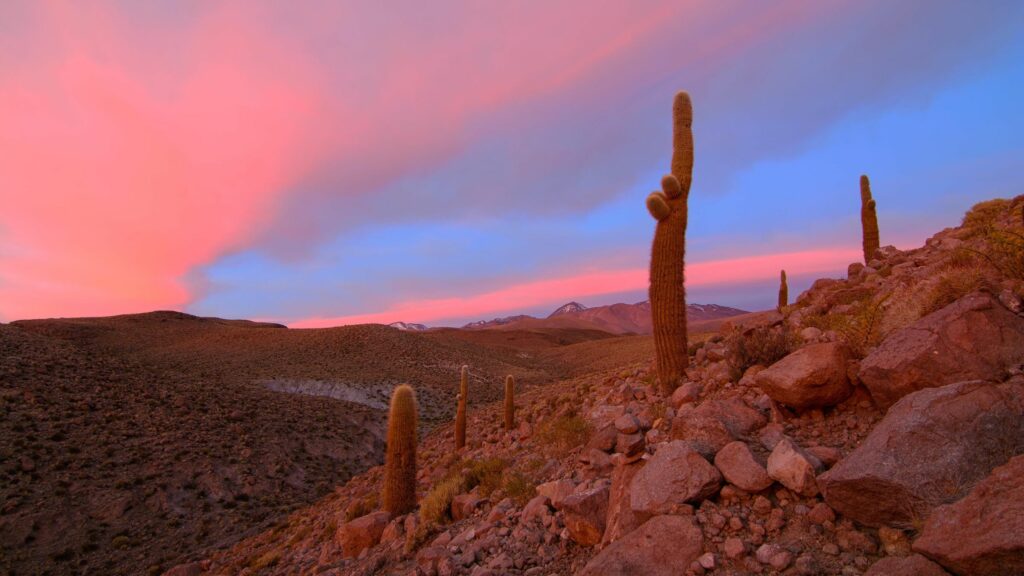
(569,308)
(408,326)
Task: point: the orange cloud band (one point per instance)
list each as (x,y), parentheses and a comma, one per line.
(557,290)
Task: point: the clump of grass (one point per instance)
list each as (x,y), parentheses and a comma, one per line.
(952,285)
(519,488)
(861,328)
(362,507)
(485,474)
(266,560)
(1000,226)
(436,506)
(563,433)
(762,345)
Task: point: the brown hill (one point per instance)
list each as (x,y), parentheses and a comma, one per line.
(129,441)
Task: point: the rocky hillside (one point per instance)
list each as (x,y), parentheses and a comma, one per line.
(875,427)
(129,443)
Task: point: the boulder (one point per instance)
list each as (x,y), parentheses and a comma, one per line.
(464,505)
(740,468)
(675,475)
(620,519)
(361,533)
(537,508)
(930,448)
(585,515)
(812,377)
(712,425)
(557,491)
(627,424)
(793,468)
(974,338)
(983,533)
(662,546)
(687,393)
(914,565)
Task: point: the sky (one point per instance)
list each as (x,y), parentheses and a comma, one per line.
(329,162)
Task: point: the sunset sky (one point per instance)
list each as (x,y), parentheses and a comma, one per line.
(327,162)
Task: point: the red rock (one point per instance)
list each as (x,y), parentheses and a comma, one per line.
(930,448)
(558,490)
(687,393)
(596,460)
(604,438)
(537,507)
(585,515)
(712,425)
(662,546)
(621,520)
(812,377)
(630,444)
(675,475)
(793,468)
(739,467)
(974,338)
(429,560)
(983,533)
(905,566)
(627,424)
(362,533)
(464,505)
(821,513)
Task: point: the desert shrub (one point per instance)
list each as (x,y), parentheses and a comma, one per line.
(519,488)
(563,433)
(436,506)
(952,285)
(998,223)
(861,328)
(362,507)
(762,346)
(266,560)
(484,473)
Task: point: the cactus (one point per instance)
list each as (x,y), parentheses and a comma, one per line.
(783,291)
(510,402)
(868,220)
(460,412)
(400,461)
(668,252)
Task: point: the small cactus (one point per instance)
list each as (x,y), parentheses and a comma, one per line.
(783,291)
(460,412)
(868,220)
(668,252)
(400,461)
(510,402)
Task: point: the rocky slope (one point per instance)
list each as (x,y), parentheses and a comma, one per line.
(129,444)
(874,427)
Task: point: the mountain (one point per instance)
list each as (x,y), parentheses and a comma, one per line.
(408,326)
(569,308)
(496,322)
(613,318)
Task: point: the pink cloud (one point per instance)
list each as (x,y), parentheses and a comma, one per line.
(119,174)
(593,283)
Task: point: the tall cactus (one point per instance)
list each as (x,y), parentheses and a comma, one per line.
(668,252)
(460,412)
(868,220)
(400,461)
(510,402)
(783,291)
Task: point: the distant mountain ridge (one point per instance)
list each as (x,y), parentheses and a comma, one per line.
(408,326)
(614,318)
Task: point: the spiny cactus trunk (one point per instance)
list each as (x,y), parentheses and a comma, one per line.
(868,220)
(400,461)
(668,253)
(460,413)
(510,403)
(783,291)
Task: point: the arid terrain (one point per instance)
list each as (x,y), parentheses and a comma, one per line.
(873,427)
(130,443)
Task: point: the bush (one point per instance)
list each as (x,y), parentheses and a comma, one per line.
(952,285)
(484,473)
(762,346)
(519,488)
(436,506)
(998,223)
(564,433)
